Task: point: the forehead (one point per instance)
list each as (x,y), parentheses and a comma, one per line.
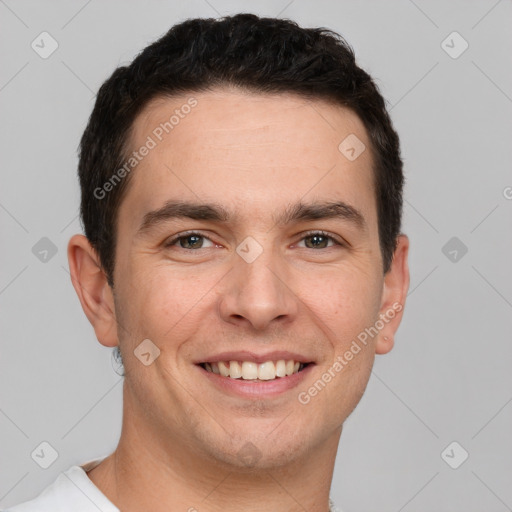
(254,151)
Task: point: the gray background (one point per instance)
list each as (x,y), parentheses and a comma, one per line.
(448,377)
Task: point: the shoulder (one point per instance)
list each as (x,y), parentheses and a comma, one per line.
(72,490)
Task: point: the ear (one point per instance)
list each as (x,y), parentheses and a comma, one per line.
(93,290)
(394,292)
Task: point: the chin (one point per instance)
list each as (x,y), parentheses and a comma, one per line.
(260,451)
(250,458)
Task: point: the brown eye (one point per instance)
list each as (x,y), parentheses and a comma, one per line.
(190,241)
(319,240)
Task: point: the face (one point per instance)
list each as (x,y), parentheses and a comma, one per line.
(246,240)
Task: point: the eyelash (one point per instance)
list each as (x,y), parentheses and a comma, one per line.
(308,234)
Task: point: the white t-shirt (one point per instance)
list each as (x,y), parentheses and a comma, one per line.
(74,491)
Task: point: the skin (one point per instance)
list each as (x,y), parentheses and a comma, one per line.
(255,154)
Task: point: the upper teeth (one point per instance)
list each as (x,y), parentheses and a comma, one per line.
(248,370)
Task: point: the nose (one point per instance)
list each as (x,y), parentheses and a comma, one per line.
(258,294)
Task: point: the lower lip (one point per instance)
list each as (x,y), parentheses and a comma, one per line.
(258,388)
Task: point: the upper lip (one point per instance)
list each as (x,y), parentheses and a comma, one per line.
(245,355)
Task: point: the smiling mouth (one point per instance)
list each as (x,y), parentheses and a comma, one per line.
(248,370)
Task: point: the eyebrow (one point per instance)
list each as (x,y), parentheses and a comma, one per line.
(214,212)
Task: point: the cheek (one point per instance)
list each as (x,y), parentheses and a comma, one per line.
(358,302)
(347,300)
(163,304)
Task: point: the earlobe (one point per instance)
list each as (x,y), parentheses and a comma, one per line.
(91,286)
(396,285)
(384,344)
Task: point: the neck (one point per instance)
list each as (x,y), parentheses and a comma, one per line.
(150,471)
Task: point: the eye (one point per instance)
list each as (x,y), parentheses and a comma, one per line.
(319,240)
(191,240)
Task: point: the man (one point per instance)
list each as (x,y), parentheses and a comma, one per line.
(241,200)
